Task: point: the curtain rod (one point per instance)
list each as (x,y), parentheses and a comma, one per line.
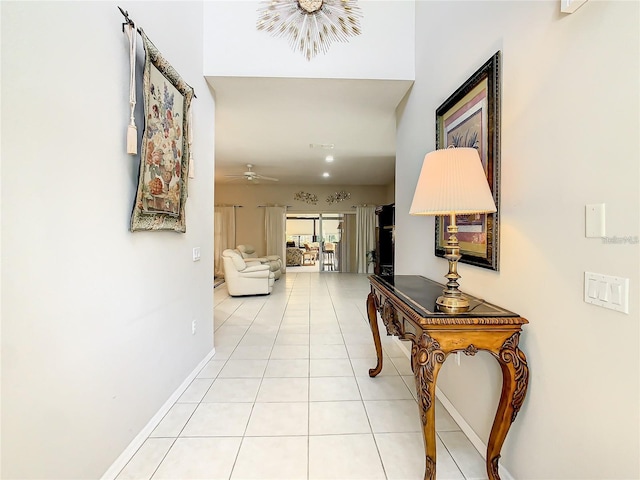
(363,205)
(128,21)
(264,206)
(235,206)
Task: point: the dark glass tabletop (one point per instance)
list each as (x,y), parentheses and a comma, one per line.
(421,294)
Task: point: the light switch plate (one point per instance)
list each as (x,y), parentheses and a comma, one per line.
(594,221)
(607,291)
(196,254)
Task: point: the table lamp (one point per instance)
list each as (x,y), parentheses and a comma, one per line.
(452,182)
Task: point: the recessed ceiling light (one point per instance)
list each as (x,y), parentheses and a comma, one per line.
(325,174)
(329,158)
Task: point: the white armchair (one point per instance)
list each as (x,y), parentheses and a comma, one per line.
(249,254)
(245,279)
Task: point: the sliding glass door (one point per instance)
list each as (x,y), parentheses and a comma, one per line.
(330,234)
(317,240)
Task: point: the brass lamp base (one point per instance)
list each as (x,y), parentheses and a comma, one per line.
(452,304)
(451,300)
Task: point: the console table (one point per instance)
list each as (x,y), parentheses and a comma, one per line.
(407,306)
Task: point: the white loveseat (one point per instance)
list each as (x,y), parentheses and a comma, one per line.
(249,254)
(244,278)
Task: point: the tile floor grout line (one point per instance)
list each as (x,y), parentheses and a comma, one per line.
(175,439)
(130,459)
(229,316)
(302,290)
(163,457)
(235,460)
(308,386)
(259,385)
(309,397)
(253,404)
(450,455)
(366,412)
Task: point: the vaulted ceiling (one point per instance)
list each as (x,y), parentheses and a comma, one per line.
(284,127)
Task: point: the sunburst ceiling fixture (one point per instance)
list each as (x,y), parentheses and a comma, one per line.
(311,25)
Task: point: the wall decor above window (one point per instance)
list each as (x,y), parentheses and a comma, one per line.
(340,196)
(310,25)
(306,197)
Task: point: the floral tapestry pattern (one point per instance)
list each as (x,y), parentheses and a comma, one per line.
(162,183)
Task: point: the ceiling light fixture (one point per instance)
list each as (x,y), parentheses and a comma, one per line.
(310,25)
(329,158)
(325,174)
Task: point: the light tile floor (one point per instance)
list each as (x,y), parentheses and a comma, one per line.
(287,396)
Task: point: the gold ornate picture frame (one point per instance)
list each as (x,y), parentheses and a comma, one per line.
(470,117)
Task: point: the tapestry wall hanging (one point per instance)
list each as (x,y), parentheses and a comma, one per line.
(470,117)
(164,160)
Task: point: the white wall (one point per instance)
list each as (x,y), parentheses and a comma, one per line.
(96,321)
(384,49)
(391,192)
(570,123)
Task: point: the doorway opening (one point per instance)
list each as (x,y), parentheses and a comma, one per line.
(318,242)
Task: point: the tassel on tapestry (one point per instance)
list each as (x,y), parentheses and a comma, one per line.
(132,131)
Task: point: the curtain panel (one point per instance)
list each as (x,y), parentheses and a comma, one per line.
(274,227)
(224,235)
(365,236)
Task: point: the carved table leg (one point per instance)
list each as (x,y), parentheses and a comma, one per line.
(515,378)
(373,322)
(426,360)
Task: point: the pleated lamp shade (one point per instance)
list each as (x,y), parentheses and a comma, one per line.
(452,180)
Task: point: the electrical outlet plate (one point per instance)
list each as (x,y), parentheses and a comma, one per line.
(607,291)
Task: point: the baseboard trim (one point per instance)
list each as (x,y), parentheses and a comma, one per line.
(469,433)
(475,440)
(137,442)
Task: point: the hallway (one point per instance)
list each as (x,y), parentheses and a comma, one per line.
(287,396)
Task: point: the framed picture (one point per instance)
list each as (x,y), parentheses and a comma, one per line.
(470,117)
(164,161)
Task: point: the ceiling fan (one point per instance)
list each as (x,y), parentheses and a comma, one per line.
(252,176)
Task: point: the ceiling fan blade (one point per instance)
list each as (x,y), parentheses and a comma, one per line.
(251,176)
(262,177)
(235,180)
